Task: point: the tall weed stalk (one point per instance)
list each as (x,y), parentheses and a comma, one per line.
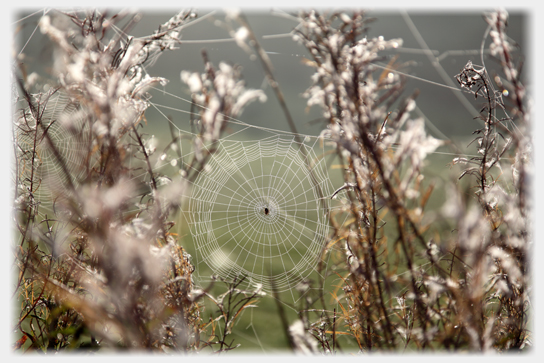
(409,285)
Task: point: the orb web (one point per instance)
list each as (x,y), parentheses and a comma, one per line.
(39,169)
(257,211)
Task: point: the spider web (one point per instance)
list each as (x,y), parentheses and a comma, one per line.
(256,211)
(63,122)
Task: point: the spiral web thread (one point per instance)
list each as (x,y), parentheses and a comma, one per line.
(255,211)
